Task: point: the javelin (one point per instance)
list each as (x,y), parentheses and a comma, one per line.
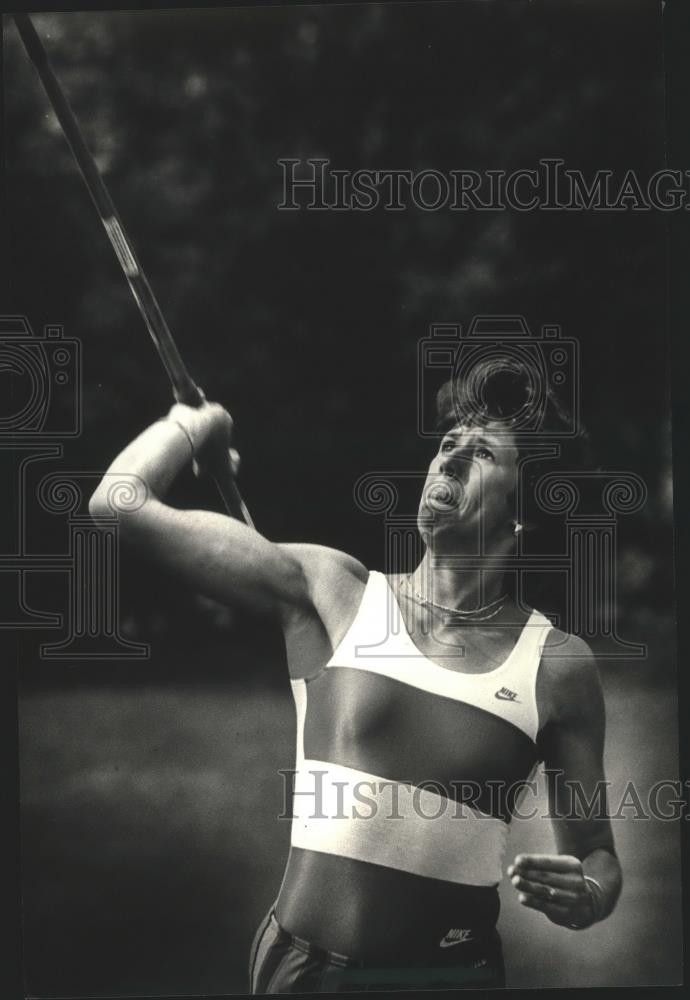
(185,389)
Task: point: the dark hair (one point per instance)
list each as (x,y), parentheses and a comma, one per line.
(501,389)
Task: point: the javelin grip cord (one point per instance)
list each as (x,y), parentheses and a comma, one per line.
(184,388)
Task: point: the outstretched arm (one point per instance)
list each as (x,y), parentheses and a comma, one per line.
(581,884)
(214,554)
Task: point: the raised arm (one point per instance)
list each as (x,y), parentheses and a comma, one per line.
(581,884)
(211,553)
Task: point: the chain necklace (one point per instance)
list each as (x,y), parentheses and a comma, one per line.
(482,614)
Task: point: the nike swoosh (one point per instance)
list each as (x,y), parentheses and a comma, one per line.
(506,697)
(449,944)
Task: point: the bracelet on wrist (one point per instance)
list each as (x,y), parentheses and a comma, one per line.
(184,430)
(595,893)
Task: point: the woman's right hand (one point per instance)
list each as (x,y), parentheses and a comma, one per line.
(209,427)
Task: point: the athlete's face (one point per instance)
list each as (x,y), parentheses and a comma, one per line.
(470,483)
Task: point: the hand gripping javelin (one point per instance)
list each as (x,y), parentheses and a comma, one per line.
(185,389)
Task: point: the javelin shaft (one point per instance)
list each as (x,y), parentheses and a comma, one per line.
(184,387)
(146,300)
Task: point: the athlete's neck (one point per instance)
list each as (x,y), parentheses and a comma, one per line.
(436,579)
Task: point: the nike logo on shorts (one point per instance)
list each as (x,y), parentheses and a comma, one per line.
(455,936)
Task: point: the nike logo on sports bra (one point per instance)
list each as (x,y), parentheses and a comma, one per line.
(505,694)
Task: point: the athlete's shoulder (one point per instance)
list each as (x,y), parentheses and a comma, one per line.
(320,560)
(569,677)
(567,648)
(336,582)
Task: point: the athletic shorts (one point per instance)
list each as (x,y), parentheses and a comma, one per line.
(282,963)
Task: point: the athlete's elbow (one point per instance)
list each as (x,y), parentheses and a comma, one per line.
(119,497)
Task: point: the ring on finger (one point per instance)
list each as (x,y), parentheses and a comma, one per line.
(552,892)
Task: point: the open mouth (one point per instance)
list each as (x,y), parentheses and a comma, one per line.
(445,493)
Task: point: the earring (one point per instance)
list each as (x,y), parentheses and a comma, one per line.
(518,528)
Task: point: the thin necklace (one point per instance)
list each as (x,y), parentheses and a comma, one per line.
(481,614)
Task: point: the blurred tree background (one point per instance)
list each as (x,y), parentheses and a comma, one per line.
(306,325)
